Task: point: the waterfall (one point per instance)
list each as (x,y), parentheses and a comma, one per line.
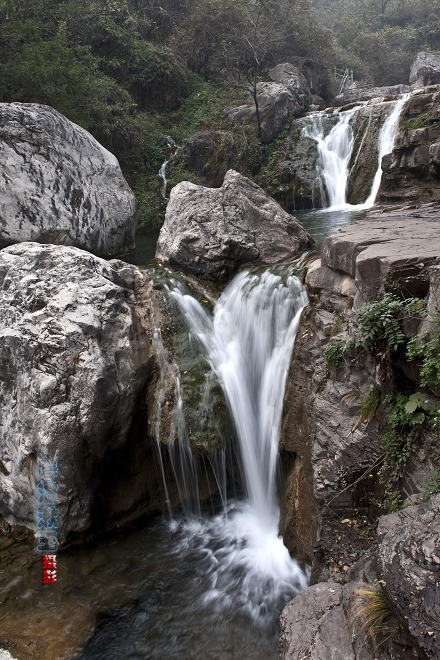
(386,143)
(335,150)
(248,342)
(163,168)
(334,153)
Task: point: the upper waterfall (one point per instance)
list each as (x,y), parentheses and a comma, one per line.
(335,152)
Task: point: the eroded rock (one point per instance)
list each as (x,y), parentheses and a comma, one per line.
(408,559)
(213,231)
(59,185)
(74,362)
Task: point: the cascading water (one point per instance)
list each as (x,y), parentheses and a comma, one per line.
(386,142)
(163,168)
(335,151)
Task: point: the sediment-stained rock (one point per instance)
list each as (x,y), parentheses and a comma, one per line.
(213,231)
(75,356)
(59,185)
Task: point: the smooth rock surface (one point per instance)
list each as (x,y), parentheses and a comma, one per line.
(213,231)
(59,185)
(387,252)
(74,356)
(408,559)
(425,70)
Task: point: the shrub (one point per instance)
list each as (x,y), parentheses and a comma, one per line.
(334,354)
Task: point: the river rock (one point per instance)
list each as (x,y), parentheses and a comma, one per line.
(382,255)
(74,360)
(59,185)
(213,231)
(408,559)
(425,70)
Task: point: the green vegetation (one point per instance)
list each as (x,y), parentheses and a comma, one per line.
(334,354)
(427,348)
(380,322)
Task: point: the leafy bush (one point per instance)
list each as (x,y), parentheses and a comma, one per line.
(428,349)
(381,321)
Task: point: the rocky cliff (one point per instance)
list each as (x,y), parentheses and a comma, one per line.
(341,467)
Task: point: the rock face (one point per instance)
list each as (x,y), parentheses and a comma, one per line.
(213,231)
(59,185)
(411,170)
(315,625)
(425,70)
(75,360)
(408,559)
(382,256)
(332,452)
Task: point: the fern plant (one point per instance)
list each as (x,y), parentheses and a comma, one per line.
(381,321)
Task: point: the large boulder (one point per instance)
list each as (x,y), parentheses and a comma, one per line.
(286,95)
(75,354)
(213,231)
(59,185)
(408,559)
(425,70)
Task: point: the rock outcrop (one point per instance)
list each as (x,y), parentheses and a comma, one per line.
(75,360)
(358,94)
(213,231)
(59,185)
(425,70)
(288,95)
(335,417)
(411,171)
(408,559)
(382,256)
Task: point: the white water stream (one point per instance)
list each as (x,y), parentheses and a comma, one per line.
(163,168)
(248,342)
(335,150)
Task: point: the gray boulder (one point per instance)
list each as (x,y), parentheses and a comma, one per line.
(74,355)
(291,77)
(213,231)
(59,185)
(408,558)
(425,70)
(316,625)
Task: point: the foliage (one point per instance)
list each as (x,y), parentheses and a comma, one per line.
(428,349)
(381,321)
(371,612)
(408,417)
(334,353)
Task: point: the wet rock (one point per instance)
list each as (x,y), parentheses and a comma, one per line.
(383,256)
(59,185)
(75,359)
(408,558)
(213,231)
(425,70)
